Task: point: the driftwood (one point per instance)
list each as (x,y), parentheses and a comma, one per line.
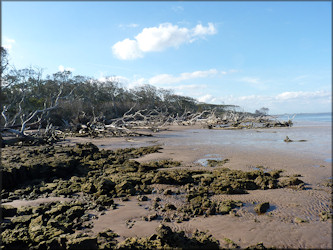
(133,123)
(157,120)
(10,135)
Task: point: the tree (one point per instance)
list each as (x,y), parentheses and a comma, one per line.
(4,60)
(262,111)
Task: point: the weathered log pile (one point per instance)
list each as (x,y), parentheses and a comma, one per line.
(141,123)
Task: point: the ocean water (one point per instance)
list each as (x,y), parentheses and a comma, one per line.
(311,133)
(308,118)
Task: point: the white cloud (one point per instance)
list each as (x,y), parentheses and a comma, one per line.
(206,98)
(190,87)
(62,68)
(131,25)
(233,70)
(302,95)
(200,30)
(177,8)
(8,43)
(286,102)
(169,79)
(252,80)
(255,82)
(285,96)
(162,37)
(302,77)
(159,38)
(127,50)
(119,79)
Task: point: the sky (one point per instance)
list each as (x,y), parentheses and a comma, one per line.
(276,55)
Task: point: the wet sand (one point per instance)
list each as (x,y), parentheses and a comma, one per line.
(245,150)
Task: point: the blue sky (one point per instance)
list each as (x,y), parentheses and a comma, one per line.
(253,54)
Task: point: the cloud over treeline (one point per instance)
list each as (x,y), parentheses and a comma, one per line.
(159,38)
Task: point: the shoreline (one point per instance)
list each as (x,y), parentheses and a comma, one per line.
(277,228)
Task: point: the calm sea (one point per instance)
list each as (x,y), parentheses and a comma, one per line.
(314,129)
(308,117)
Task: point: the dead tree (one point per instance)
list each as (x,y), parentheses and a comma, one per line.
(35,117)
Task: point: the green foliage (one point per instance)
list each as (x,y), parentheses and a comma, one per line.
(83,98)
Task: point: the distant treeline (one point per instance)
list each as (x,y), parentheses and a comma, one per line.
(80,98)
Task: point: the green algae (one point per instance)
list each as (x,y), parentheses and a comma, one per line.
(215,163)
(102,175)
(165,238)
(261,208)
(42,224)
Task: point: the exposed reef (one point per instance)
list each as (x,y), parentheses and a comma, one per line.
(94,178)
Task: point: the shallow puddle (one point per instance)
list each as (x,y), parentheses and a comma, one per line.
(265,170)
(204,161)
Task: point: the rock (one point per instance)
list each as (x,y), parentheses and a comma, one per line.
(88,188)
(75,212)
(124,198)
(292,182)
(287,139)
(36,230)
(152,217)
(22,220)
(104,200)
(106,239)
(82,243)
(324,216)
(170,207)
(168,192)
(8,211)
(258,246)
(164,231)
(157,199)
(300,220)
(261,208)
(142,198)
(125,187)
(17,238)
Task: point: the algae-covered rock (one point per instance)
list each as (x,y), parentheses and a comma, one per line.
(170,207)
(142,243)
(105,186)
(36,229)
(106,239)
(215,163)
(230,243)
(261,208)
(21,220)
(300,220)
(224,209)
(125,187)
(325,215)
(142,198)
(8,211)
(75,212)
(82,243)
(258,246)
(292,181)
(104,200)
(88,188)
(179,239)
(165,238)
(57,209)
(17,238)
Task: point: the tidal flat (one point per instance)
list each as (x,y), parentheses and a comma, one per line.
(155,192)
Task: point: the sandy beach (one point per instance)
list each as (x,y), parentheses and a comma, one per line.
(293,218)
